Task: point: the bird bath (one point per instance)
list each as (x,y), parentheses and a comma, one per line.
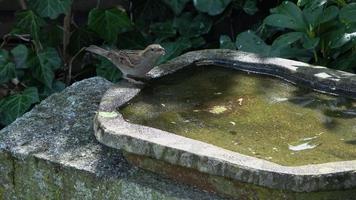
(236,133)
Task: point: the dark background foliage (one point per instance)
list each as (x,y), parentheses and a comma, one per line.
(42,44)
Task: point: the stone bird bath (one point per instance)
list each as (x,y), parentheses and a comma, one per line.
(246,173)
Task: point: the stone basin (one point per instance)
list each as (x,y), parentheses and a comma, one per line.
(238,172)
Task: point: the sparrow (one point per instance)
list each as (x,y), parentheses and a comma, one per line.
(132,63)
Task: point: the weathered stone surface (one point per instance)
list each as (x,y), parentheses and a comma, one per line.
(51,153)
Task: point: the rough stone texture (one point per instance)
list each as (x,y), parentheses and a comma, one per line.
(111,129)
(51,153)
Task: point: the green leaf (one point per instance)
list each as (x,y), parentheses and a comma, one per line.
(29,22)
(291,52)
(44,64)
(283,21)
(329,13)
(226,42)
(212,7)
(108,70)
(16,105)
(147,12)
(50,8)
(176,5)
(311,3)
(57,86)
(313,16)
(163,30)
(340,38)
(7,72)
(287,39)
(250,42)
(4,56)
(132,40)
(250,7)
(197,42)
(190,26)
(287,15)
(310,43)
(348,13)
(20,54)
(174,49)
(109,23)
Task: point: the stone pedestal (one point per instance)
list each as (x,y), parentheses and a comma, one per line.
(51,153)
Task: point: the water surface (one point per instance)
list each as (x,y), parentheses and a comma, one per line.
(250,114)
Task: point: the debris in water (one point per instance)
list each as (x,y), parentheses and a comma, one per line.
(240,101)
(301,147)
(218,109)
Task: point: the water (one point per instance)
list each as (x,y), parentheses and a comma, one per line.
(254,115)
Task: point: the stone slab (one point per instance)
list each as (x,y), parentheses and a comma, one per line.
(51,153)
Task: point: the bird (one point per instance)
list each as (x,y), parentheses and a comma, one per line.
(134,64)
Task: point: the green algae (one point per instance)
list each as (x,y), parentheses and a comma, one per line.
(254,115)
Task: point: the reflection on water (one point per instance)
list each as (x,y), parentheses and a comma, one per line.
(253,115)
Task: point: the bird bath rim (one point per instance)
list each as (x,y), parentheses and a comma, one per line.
(112,130)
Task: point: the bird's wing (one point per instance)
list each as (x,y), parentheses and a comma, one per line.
(129,58)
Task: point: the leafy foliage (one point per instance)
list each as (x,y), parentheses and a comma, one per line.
(50,8)
(318,31)
(51,54)
(109,23)
(14,106)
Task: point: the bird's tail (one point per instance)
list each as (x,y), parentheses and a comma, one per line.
(97,50)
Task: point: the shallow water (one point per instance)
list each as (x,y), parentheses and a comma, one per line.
(254,115)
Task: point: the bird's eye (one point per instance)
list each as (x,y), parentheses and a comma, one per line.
(152,49)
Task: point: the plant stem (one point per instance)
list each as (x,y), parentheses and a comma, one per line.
(70,65)
(23,4)
(66,38)
(315,56)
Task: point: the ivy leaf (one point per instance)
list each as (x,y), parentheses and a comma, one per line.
(4,56)
(7,72)
(212,7)
(108,70)
(44,64)
(20,54)
(176,5)
(50,8)
(197,42)
(57,86)
(348,13)
(250,7)
(226,42)
(29,22)
(190,26)
(16,105)
(163,30)
(109,23)
(150,11)
(248,41)
(132,40)
(174,49)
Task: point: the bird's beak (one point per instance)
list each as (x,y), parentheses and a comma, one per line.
(163,51)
